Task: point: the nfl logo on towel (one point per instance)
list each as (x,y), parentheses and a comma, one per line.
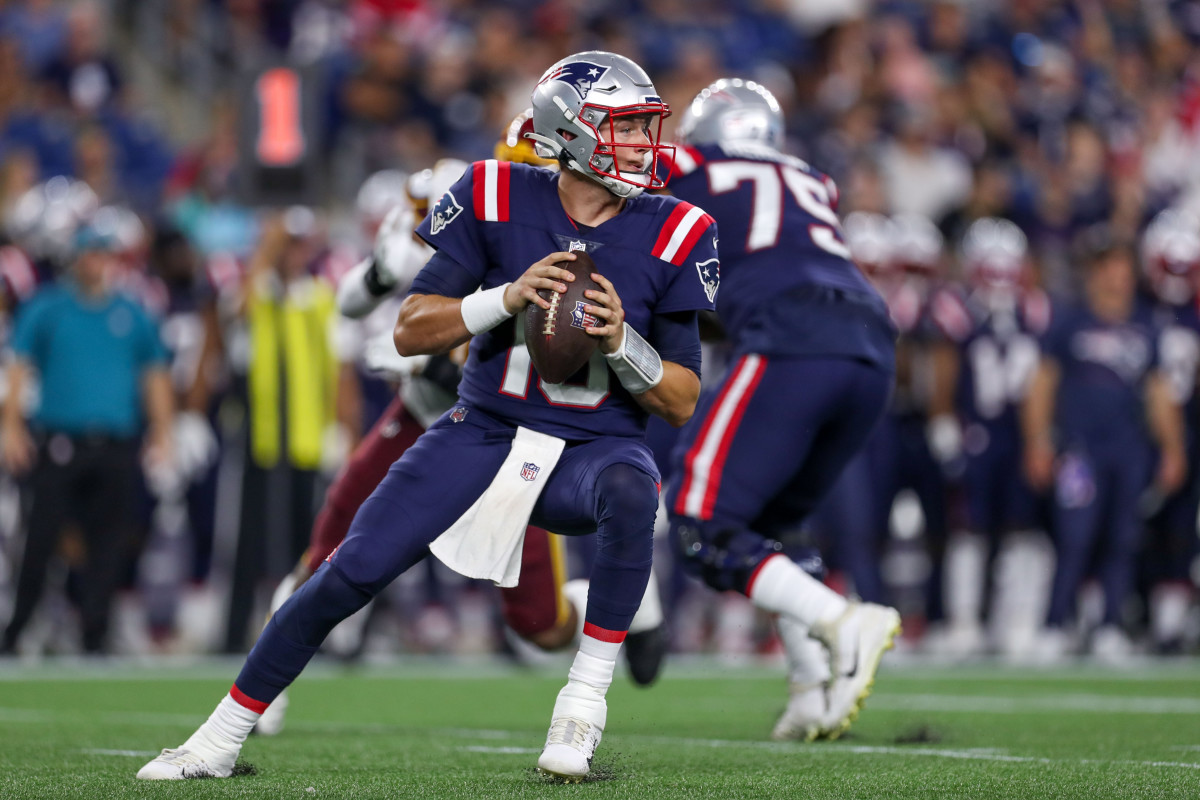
(529,470)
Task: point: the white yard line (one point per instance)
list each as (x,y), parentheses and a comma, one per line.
(794,750)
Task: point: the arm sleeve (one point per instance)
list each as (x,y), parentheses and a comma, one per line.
(697,278)
(453,229)
(444,275)
(676,336)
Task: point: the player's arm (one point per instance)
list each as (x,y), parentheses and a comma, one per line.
(1037,419)
(18,446)
(158,396)
(662,387)
(436,318)
(942,432)
(395,258)
(1166,426)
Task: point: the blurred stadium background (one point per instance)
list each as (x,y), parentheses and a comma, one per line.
(198,132)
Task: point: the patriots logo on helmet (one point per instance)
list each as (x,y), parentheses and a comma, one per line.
(579,75)
(445,212)
(710,276)
(582,319)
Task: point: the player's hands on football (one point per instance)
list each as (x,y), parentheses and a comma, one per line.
(549,273)
(606,307)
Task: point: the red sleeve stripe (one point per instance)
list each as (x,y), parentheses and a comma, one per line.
(245,701)
(683,229)
(489,187)
(603,634)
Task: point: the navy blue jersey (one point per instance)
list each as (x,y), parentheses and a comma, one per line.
(782,248)
(1103,366)
(998,340)
(1179,349)
(498,220)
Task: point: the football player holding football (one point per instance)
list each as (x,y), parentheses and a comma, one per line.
(570,457)
(812,367)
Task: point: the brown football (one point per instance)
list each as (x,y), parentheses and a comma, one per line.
(557,343)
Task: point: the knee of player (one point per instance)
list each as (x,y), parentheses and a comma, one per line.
(627,493)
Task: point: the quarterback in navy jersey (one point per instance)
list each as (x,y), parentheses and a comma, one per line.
(1097,385)
(570,457)
(813,359)
(1171,267)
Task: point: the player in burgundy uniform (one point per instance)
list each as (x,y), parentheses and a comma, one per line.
(1171,267)
(813,360)
(995,320)
(569,457)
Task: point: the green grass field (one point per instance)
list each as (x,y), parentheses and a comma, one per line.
(432,730)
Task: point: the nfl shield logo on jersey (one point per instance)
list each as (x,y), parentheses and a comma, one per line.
(710,276)
(529,470)
(458,414)
(445,212)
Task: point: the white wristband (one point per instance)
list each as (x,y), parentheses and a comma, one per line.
(637,364)
(483,311)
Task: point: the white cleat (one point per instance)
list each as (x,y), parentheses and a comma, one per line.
(271,721)
(570,745)
(180,764)
(804,717)
(856,641)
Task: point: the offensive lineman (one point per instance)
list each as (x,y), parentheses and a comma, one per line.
(810,376)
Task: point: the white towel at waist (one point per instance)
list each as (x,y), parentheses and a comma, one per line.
(486,540)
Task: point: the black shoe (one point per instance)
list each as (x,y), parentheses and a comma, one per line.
(645,652)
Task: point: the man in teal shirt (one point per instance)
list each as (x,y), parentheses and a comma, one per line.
(101,364)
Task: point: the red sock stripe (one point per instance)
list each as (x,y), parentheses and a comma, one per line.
(603,634)
(245,701)
(754,575)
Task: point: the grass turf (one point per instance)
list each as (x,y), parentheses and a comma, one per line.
(449,731)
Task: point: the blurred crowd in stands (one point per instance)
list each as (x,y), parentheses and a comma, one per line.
(123,133)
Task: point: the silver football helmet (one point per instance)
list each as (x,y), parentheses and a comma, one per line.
(1171,255)
(918,244)
(576,107)
(733,110)
(871,239)
(994,252)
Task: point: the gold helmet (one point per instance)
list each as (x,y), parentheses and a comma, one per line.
(513,146)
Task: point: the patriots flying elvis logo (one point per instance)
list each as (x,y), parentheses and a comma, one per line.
(445,212)
(710,276)
(579,75)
